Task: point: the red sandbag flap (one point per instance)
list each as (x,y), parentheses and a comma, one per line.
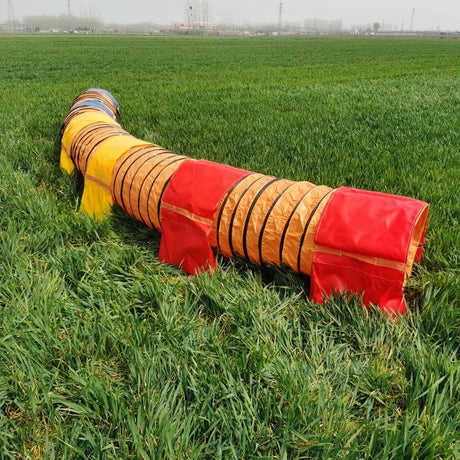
(362,244)
(335,274)
(187,209)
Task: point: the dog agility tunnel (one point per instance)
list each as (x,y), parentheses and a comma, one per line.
(346,240)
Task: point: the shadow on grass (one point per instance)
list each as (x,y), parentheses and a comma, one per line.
(283,280)
(133,232)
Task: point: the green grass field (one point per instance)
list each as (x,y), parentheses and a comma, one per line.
(107,353)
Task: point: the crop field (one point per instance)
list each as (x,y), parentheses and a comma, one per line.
(105,352)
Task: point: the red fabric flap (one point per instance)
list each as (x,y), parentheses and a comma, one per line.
(198,186)
(333,274)
(370,224)
(187,209)
(374,227)
(184,244)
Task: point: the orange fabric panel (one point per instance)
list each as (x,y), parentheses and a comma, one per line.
(123,172)
(417,240)
(230,216)
(264,219)
(277,219)
(299,222)
(219,237)
(240,212)
(256,216)
(139,179)
(124,184)
(307,241)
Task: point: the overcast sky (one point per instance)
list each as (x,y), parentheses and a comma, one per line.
(429,14)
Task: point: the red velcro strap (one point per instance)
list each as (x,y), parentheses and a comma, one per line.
(369,225)
(187,210)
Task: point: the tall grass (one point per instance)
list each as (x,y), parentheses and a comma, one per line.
(107,353)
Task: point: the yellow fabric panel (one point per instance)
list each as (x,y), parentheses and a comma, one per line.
(86,143)
(66,163)
(97,199)
(81,121)
(106,154)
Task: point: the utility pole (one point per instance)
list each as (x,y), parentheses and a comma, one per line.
(280,16)
(412,19)
(69,17)
(190,12)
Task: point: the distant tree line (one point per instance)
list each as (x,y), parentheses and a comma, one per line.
(63,22)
